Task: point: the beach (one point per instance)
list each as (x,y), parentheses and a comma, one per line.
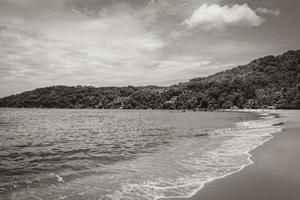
(122,154)
(219,148)
(274,175)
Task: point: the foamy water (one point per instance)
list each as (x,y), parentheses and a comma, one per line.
(200,166)
(149,155)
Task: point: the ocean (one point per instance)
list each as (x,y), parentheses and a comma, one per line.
(123,154)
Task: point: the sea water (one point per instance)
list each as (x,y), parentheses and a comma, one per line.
(123,154)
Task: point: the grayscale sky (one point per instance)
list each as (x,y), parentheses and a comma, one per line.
(136,42)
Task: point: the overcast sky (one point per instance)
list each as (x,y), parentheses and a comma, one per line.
(136,42)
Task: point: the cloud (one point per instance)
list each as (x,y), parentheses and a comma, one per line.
(116,43)
(268,11)
(214,16)
(72,47)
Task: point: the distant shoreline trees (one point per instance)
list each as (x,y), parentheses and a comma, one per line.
(269,82)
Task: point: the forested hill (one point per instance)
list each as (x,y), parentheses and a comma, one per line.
(266,82)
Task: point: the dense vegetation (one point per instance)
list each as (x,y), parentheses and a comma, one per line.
(266,82)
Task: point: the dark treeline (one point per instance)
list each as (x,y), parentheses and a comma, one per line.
(269,82)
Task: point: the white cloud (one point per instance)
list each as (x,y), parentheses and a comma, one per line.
(72,48)
(101,43)
(268,11)
(214,16)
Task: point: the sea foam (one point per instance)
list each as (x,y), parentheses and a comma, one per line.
(197,168)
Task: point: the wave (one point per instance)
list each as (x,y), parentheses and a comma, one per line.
(231,156)
(179,169)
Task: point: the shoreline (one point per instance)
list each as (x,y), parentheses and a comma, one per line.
(258,112)
(225,187)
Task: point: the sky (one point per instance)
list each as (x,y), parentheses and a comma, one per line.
(137,42)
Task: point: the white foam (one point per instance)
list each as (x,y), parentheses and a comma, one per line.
(231,156)
(59,178)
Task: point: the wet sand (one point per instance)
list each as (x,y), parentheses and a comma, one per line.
(275,174)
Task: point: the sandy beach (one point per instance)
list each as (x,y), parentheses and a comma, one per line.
(275,174)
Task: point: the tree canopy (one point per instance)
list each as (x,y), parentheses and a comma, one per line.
(266,82)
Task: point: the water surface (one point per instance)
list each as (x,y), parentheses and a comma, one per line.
(121,154)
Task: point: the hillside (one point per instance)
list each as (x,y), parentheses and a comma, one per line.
(266,82)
